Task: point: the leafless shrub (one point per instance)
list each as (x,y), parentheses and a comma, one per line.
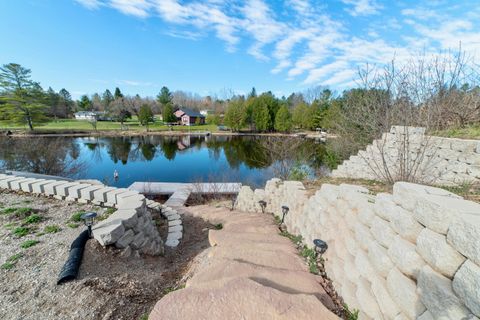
(52,156)
(432,93)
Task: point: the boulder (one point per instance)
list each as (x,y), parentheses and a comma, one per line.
(125,240)
(138,241)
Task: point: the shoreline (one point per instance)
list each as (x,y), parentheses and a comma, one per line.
(114,133)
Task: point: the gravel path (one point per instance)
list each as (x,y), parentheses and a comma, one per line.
(108,286)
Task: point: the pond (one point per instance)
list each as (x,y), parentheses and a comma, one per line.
(250,160)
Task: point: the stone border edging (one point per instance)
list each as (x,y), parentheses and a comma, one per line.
(129,228)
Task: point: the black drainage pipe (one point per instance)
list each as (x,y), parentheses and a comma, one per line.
(72,265)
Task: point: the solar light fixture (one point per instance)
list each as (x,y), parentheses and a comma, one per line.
(320,246)
(88,219)
(233,202)
(285,210)
(263,205)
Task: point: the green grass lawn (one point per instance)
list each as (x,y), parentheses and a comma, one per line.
(81,125)
(470,132)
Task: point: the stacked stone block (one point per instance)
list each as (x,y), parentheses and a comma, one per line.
(130,227)
(440,161)
(412,254)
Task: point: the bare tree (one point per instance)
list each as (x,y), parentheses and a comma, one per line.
(415,98)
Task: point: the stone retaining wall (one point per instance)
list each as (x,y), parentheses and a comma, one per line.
(130,227)
(441,161)
(413,254)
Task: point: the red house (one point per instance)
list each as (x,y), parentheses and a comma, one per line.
(188,117)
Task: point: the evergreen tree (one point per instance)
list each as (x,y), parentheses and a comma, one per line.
(65,102)
(165,98)
(145,115)
(107,99)
(84,104)
(53,100)
(283,120)
(301,116)
(253,93)
(21,100)
(261,117)
(167,114)
(118,94)
(235,115)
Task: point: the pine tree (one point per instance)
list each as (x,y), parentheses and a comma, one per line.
(167,114)
(261,117)
(107,99)
(145,115)
(21,100)
(235,115)
(118,94)
(283,120)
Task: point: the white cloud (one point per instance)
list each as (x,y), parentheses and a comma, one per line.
(138,8)
(90,4)
(362,7)
(310,44)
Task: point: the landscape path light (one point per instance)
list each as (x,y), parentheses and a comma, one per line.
(285,210)
(263,205)
(88,219)
(320,246)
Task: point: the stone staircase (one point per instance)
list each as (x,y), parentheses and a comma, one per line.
(250,272)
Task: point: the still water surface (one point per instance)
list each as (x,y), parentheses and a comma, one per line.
(243,159)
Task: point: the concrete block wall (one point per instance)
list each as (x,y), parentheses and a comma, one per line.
(441,161)
(413,254)
(130,227)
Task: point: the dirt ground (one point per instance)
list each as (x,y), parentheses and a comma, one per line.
(108,286)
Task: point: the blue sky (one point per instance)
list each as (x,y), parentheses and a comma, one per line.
(208,46)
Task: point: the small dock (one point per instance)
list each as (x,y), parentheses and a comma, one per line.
(179,192)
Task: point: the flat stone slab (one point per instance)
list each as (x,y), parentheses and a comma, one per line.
(87,193)
(27,186)
(172,243)
(74,191)
(172,223)
(16,184)
(174,217)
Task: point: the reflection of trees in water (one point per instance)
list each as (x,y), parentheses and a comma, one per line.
(119,149)
(53,156)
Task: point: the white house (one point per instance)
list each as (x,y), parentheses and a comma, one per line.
(86,115)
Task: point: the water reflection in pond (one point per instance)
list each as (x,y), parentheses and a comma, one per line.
(250,160)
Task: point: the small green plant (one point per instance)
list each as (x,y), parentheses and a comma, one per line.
(29,243)
(109,211)
(52,229)
(34,218)
(277,219)
(143,317)
(298,173)
(218,226)
(21,231)
(8,210)
(77,217)
(350,314)
(297,240)
(72,225)
(24,212)
(10,263)
(10,226)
